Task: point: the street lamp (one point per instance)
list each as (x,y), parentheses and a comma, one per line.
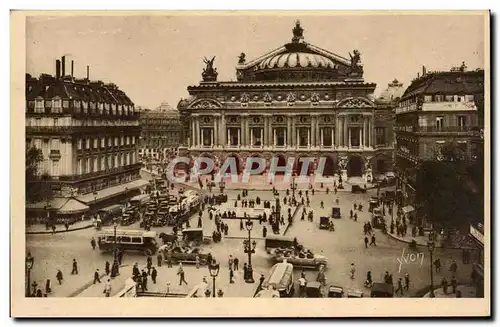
(214,272)
(29,265)
(431,245)
(115,268)
(249,249)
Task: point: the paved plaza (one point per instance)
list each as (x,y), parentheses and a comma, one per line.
(342,247)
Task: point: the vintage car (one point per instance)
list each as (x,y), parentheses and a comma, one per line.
(372,204)
(127,219)
(305,259)
(324,222)
(358,189)
(336,213)
(313,290)
(188,255)
(378,220)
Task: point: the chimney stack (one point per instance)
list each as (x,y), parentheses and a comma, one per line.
(63,66)
(72,66)
(418,75)
(88,73)
(58,69)
(424,71)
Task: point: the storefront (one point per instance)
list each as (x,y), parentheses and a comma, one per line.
(477,258)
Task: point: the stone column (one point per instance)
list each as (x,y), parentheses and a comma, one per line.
(241,136)
(223,131)
(197,130)
(193,127)
(347,139)
(361,137)
(293,134)
(316,137)
(309,132)
(270,130)
(312,131)
(228,141)
(201,137)
(321,138)
(369,132)
(333,137)
(274,137)
(251,137)
(288,131)
(215,134)
(339,131)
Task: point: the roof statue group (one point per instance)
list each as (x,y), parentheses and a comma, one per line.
(296,54)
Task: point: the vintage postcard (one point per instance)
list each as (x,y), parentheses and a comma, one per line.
(250,164)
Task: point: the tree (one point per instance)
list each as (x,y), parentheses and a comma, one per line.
(37,186)
(443,189)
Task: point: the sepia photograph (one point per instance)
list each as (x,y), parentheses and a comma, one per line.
(222,157)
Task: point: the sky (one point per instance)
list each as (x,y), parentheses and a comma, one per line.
(154,58)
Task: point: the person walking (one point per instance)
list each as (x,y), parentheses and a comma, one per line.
(453,268)
(144,280)
(231,276)
(264,231)
(407,281)
(107,287)
(373,241)
(400,287)
(230,262)
(197,262)
(236,262)
(366,241)
(444,285)
(106,268)
(181,274)
(454,284)
(93,243)
(149,264)
(59,276)
(159,259)
(322,204)
(437,264)
(154,274)
(353,270)
(302,286)
(96,276)
(75,268)
(355,216)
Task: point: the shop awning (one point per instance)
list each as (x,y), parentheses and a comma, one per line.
(54,204)
(63,206)
(109,192)
(72,206)
(408,209)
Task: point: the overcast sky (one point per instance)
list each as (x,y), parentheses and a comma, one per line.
(154,58)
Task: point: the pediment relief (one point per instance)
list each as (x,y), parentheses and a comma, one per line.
(205,104)
(355,103)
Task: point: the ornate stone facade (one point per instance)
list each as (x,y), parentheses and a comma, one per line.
(297,101)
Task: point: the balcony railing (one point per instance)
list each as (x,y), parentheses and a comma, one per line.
(78,129)
(445,129)
(100,173)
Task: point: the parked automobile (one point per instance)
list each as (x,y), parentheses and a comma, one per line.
(336,213)
(382,290)
(188,255)
(335,291)
(305,259)
(313,290)
(358,189)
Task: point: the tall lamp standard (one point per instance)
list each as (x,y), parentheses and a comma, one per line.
(249,249)
(29,265)
(431,245)
(115,268)
(214,272)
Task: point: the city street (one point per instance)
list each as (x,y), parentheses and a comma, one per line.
(342,247)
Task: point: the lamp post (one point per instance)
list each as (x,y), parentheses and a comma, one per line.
(249,247)
(431,245)
(115,268)
(213,268)
(29,264)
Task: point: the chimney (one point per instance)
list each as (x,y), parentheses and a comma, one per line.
(424,71)
(63,64)
(72,66)
(418,75)
(88,73)
(58,69)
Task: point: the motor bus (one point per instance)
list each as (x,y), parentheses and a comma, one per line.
(128,240)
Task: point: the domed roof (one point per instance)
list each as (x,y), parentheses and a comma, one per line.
(297,60)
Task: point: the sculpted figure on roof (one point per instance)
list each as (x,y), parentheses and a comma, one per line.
(356,66)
